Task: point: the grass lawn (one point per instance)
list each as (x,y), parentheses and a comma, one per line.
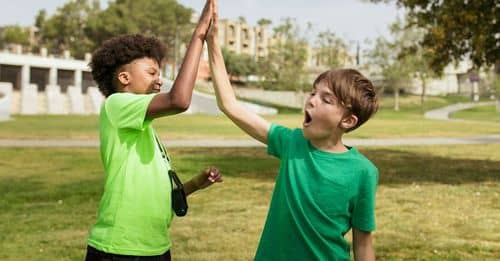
(483,113)
(408,122)
(385,124)
(433,203)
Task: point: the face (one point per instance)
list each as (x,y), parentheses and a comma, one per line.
(141,76)
(324,118)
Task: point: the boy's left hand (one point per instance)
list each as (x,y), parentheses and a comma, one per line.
(207,177)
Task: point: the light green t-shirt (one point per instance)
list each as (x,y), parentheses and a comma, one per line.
(135,209)
(318,197)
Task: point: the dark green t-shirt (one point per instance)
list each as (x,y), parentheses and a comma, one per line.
(318,197)
(135,209)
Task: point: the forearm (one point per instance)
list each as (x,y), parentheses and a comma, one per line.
(190,187)
(226,97)
(364,253)
(248,121)
(363,246)
(182,88)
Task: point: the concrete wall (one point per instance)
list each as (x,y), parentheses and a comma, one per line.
(5,100)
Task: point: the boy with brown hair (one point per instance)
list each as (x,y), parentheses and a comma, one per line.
(324,188)
(135,211)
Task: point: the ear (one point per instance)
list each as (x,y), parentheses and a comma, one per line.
(348,121)
(124,78)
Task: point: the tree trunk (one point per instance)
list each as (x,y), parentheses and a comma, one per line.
(424,87)
(396,98)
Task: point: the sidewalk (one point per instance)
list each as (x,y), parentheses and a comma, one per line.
(444,113)
(415,141)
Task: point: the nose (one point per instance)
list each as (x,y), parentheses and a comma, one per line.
(311,101)
(160,81)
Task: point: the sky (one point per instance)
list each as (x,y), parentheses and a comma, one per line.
(352,20)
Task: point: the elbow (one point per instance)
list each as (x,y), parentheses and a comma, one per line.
(180,102)
(181,106)
(227,108)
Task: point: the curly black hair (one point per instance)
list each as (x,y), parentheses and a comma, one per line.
(118,51)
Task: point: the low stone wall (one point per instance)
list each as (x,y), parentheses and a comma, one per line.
(5,100)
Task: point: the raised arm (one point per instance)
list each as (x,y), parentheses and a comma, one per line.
(179,97)
(250,122)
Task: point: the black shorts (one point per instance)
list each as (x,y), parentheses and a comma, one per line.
(97,255)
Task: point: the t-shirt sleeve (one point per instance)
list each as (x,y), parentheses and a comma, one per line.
(128,110)
(363,217)
(277,140)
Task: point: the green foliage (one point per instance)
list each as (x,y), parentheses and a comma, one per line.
(165,19)
(65,30)
(284,67)
(14,35)
(456,29)
(264,22)
(80,25)
(330,49)
(239,64)
(400,61)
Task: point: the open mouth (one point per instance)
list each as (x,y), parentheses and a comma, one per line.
(307,119)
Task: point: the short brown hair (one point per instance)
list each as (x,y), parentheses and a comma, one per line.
(121,50)
(353,91)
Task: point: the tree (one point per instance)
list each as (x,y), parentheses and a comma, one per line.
(456,29)
(242,19)
(330,49)
(40,18)
(165,19)
(400,61)
(283,68)
(239,64)
(65,30)
(264,22)
(417,58)
(394,71)
(14,35)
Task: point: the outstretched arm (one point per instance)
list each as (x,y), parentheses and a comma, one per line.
(179,97)
(250,122)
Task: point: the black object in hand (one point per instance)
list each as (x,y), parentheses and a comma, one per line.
(179,201)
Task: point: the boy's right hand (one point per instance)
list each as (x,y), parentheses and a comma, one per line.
(205,18)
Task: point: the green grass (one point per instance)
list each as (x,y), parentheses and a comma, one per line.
(412,103)
(433,203)
(408,122)
(483,113)
(385,124)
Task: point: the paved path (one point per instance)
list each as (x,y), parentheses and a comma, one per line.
(444,113)
(252,143)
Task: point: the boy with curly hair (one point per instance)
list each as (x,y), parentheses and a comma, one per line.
(135,209)
(324,188)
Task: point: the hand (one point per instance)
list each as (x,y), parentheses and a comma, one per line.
(207,177)
(206,18)
(213,30)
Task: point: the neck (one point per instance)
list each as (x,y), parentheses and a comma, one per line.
(334,145)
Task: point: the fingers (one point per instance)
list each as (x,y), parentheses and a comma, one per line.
(215,14)
(213,175)
(206,14)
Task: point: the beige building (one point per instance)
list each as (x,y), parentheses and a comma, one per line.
(242,38)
